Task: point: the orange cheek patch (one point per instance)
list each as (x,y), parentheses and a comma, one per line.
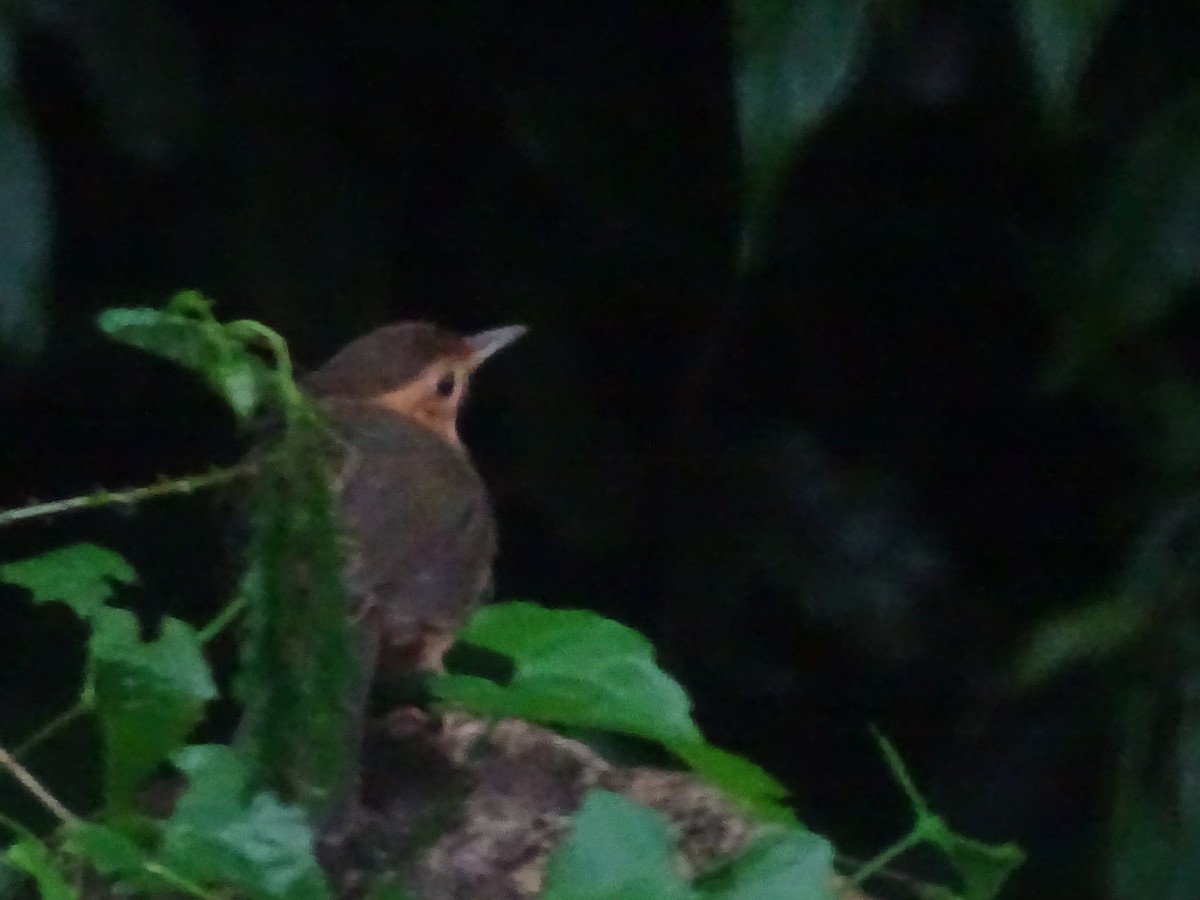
(405,400)
(413,402)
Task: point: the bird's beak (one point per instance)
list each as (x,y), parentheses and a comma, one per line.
(485,343)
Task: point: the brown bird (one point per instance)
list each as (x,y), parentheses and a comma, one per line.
(420,525)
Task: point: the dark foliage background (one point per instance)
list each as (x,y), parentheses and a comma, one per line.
(840,422)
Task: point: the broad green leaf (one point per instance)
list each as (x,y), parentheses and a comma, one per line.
(577,669)
(149,697)
(1059,37)
(301,672)
(794,60)
(81,576)
(26,220)
(32,857)
(220,835)
(616,850)
(1091,633)
(219,785)
(793,865)
(187,333)
(573,668)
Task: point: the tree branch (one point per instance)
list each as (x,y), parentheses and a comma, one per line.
(164,488)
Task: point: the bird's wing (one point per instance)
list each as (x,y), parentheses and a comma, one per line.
(422,536)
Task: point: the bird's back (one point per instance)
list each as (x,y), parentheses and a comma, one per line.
(421,531)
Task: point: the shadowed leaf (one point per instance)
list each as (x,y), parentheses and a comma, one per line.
(1141,254)
(1091,633)
(26,219)
(32,857)
(1059,37)
(794,60)
(220,833)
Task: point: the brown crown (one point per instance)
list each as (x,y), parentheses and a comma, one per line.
(384,360)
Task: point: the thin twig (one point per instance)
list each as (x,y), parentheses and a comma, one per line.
(35,787)
(16,828)
(157,868)
(165,488)
(221,621)
(913,884)
(53,727)
(880,863)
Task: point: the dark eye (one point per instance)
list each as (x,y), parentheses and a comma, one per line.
(445,385)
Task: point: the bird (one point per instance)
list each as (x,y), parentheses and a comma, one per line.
(416,514)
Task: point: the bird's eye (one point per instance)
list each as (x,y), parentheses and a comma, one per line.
(445,385)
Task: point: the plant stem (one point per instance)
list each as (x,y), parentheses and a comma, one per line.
(53,727)
(157,868)
(16,828)
(881,861)
(35,787)
(219,622)
(164,488)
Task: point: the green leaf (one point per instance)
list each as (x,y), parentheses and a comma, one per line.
(31,856)
(794,865)
(573,668)
(1059,37)
(217,834)
(109,851)
(119,859)
(149,697)
(737,777)
(81,576)
(1091,633)
(577,669)
(616,850)
(218,785)
(1141,254)
(794,60)
(26,226)
(983,868)
(187,333)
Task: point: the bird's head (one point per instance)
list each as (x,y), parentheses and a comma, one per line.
(416,369)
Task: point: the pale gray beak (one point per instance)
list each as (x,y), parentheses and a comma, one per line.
(485,343)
